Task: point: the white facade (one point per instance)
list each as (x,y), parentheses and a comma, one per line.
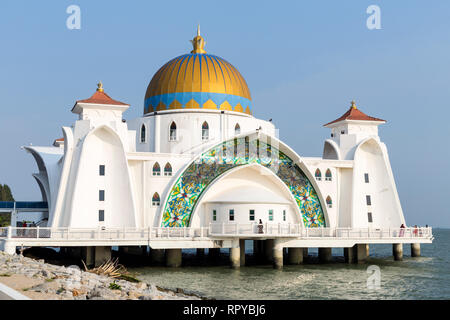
(79,196)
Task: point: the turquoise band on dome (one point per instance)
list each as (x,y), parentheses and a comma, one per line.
(200,97)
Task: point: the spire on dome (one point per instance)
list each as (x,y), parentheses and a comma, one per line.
(354,104)
(198,42)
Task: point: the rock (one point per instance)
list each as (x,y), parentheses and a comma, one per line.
(141,285)
(43,287)
(47,274)
(145,298)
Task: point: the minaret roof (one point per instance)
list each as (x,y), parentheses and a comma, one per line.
(354,114)
(100,97)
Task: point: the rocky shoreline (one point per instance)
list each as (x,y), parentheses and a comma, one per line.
(71,283)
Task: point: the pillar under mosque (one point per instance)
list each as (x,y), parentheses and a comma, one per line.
(415,249)
(277,254)
(295,255)
(173,258)
(324,255)
(397,251)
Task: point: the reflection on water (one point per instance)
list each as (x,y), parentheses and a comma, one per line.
(427,277)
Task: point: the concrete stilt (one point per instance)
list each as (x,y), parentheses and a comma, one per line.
(305,253)
(397,251)
(200,252)
(360,252)
(88,256)
(102,254)
(295,255)
(277,254)
(324,255)
(268,250)
(157,256)
(349,255)
(235,257)
(415,249)
(242,252)
(173,258)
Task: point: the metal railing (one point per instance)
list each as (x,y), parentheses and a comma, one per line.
(214,229)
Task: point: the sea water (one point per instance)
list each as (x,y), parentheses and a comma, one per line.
(425,277)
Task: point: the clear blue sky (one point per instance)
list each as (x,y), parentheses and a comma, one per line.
(304,61)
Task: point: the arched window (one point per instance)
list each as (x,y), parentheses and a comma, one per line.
(143,134)
(237,129)
(156,201)
(328,175)
(205,131)
(156,169)
(168,169)
(173,132)
(329,202)
(318,175)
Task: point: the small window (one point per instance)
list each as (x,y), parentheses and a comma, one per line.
(368,201)
(329,202)
(237,129)
(284,215)
(173,132)
(214,217)
(369,217)
(318,175)
(342,132)
(168,169)
(143,134)
(101,170)
(101,195)
(328,175)
(366,177)
(332,135)
(270,215)
(231,215)
(205,131)
(156,169)
(101,215)
(252,215)
(156,201)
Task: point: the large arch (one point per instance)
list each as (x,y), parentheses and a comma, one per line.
(184,194)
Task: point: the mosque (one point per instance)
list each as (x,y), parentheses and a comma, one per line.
(198,158)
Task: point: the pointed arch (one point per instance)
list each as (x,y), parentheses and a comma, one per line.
(168,169)
(173,131)
(318,175)
(156,200)
(205,131)
(156,169)
(237,129)
(185,192)
(328,176)
(143,133)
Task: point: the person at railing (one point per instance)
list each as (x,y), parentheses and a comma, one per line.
(402,230)
(416,231)
(260,227)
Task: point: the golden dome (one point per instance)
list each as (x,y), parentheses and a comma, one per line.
(198,80)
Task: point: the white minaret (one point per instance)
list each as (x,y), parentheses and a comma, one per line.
(348,131)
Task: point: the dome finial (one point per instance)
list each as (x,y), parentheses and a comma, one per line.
(100,87)
(198,42)
(353,104)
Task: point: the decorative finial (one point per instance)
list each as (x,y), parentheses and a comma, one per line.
(100,87)
(353,104)
(198,42)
